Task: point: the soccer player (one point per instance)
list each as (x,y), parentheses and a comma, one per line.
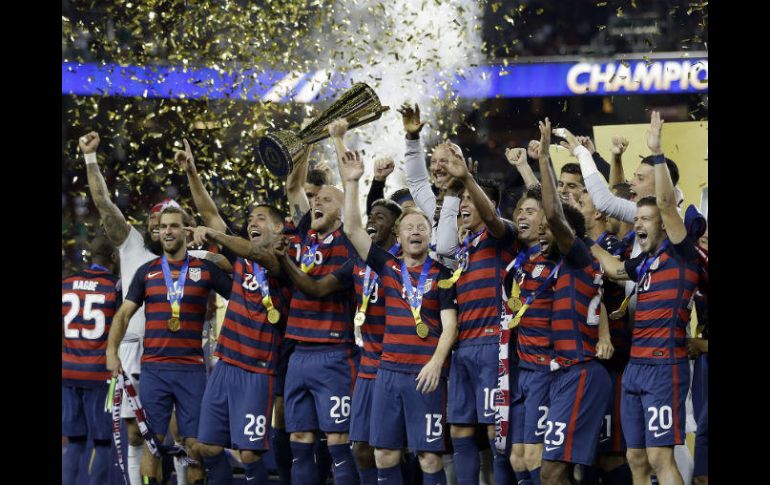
(410,387)
(315,180)
(612,447)
(483,256)
(321,372)
(656,379)
(174,289)
(238,402)
(580,387)
(89,299)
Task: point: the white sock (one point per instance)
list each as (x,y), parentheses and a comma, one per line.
(684,462)
(134,460)
(181,471)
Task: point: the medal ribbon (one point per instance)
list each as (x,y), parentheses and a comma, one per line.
(601,239)
(175,289)
(517,264)
(462,258)
(645,267)
(414,295)
(368,285)
(308,259)
(533,295)
(264,287)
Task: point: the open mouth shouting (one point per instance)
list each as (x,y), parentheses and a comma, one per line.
(255,233)
(318,214)
(633,194)
(371,231)
(642,236)
(465,215)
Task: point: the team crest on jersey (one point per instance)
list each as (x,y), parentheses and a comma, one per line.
(428,284)
(195,274)
(538,270)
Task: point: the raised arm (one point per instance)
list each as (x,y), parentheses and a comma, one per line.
(457,168)
(518,158)
(447,237)
(201,198)
(317,287)
(115,224)
(430,374)
(382,168)
(551,203)
(596,184)
(351,169)
(295,186)
(261,253)
(117,332)
(417,178)
(619,146)
(612,266)
(665,196)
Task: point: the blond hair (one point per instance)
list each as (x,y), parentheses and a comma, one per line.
(409,211)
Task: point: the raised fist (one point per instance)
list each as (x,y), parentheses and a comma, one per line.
(89,143)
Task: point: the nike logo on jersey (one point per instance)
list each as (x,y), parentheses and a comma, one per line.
(486,414)
(658,435)
(431,440)
(250,479)
(338,421)
(539,433)
(153,274)
(551,448)
(362,273)
(603,440)
(252,438)
(295,460)
(340,463)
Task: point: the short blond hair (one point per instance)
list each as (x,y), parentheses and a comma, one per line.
(410,211)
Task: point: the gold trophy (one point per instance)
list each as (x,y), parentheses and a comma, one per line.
(358,105)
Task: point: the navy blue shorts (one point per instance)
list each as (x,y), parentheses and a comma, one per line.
(361,412)
(319,387)
(401,410)
(653,408)
(237,408)
(579,397)
(164,391)
(529,406)
(83,414)
(611,439)
(472,383)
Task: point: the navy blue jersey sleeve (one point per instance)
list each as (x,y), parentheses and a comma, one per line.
(578,256)
(220,281)
(509,235)
(601,165)
(304,225)
(378,258)
(136,290)
(685,249)
(631,265)
(376,191)
(447,297)
(345,274)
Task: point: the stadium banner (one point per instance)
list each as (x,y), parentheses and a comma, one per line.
(516,80)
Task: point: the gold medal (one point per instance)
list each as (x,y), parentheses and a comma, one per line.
(618,314)
(359,319)
(174,324)
(273,315)
(515,303)
(444,284)
(422,330)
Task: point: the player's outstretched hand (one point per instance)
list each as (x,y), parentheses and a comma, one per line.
(184,158)
(338,127)
(604,349)
(201,235)
(382,168)
(411,119)
(653,133)
(619,145)
(428,378)
(352,167)
(533,148)
(517,156)
(89,143)
(586,142)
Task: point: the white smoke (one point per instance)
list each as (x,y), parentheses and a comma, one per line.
(407,51)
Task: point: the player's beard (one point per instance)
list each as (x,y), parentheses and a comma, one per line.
(153,246)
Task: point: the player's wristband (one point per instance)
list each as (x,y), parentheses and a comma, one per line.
(658,159)
(90,158)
